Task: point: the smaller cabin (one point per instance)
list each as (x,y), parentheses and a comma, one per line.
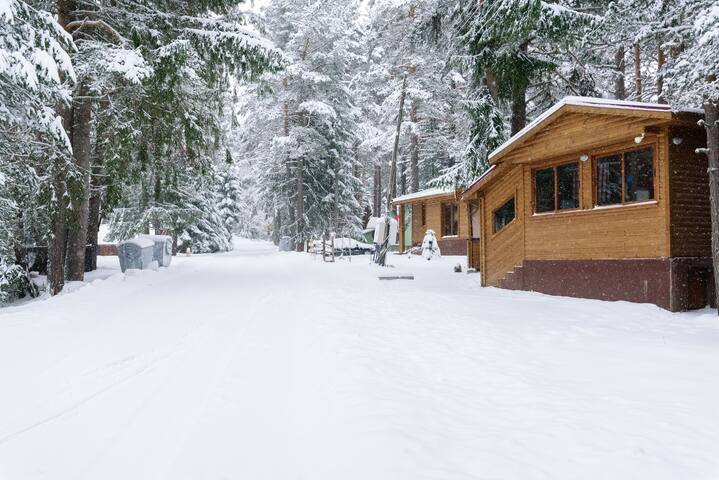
(433,209)
(599,199)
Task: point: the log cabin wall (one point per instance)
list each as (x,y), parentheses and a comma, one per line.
(690,216)
(619,232)
(656,250)
(596,233)
(454,245)
(502,251)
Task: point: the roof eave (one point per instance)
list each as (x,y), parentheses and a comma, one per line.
(562,108)
(423,199)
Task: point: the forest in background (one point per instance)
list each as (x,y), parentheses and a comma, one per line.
(207,118)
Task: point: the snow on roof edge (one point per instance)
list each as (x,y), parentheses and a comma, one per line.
(430,192)
(589,102)
(480,178)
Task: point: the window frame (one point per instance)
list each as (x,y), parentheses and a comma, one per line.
(494,214)
(455,209)
(554,166)
(621,153)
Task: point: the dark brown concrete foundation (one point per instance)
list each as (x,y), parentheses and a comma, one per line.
(676,284)
(453,246)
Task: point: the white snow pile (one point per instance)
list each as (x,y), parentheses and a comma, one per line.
(319,109)
(128,63)
(142,242)
(430,192)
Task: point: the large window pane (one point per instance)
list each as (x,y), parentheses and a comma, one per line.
(609,180)
(638,176)
(544,190)
(449,219)
(504,215)
(568,186)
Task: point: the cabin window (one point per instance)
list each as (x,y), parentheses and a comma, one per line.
(450,223)
(504,215)
(544,190)
(638,175)
(423,214)
(626,177)
(556,188)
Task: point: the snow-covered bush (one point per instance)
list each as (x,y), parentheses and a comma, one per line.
(430,247)
(15,283)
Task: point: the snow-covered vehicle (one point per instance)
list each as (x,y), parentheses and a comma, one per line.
(342,246)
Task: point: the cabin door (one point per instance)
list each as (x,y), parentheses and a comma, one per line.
(473,249)
(407,227)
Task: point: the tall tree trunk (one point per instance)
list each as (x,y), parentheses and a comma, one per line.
(661,60)
(620,65)
(77,233)
(97,191)
(93,228)
(490,81)
(300,204)
(519,109)
(277,226)
(56,249)
(377,190)
(335,226)
(519,99)
(402,176)
(637,71)
(392,187)
(711,118)
(285,227)
(414,147)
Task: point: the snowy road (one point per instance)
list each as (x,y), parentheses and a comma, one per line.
(258,365)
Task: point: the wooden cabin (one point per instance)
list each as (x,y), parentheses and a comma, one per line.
(599,199)
(433,209)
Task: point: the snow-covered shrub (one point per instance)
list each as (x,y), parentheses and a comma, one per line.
(430,247)
(15,283)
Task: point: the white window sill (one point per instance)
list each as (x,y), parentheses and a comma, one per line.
(625,205)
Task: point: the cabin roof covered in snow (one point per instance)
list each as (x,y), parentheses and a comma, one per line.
(423,195)
(600,106)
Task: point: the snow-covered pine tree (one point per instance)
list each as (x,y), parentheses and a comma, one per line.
(515,44)
(229,197)
(304,160)
(174,130)
(409,39)
(35,75)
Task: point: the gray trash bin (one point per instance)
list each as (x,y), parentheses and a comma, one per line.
(136,253)
(162,250)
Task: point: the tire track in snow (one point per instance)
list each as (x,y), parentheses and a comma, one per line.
(143,369)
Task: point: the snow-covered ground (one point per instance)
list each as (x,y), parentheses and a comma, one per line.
(260,365)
